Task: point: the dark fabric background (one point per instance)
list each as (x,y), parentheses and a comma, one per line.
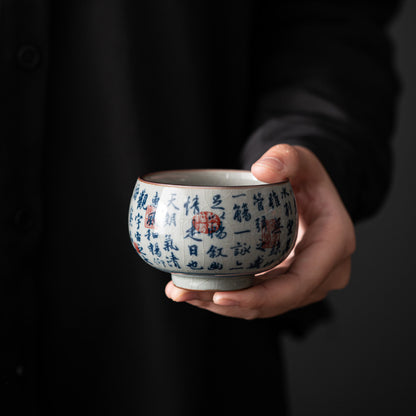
(363,362)
(87,325)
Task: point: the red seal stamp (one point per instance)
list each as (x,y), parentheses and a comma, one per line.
(270,233)
(136,246)
(206,222)
(149,218)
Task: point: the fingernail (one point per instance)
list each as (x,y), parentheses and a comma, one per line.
(224,301)
(270,162)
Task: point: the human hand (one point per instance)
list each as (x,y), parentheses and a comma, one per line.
(321,259)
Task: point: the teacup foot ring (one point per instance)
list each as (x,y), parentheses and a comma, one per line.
(217,283)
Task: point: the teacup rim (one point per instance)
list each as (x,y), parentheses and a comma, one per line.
(260,184)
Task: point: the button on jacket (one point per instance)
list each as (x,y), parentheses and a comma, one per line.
(95,93)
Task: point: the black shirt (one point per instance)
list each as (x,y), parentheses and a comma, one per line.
(94,94)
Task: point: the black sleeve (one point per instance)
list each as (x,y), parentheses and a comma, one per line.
(323,77)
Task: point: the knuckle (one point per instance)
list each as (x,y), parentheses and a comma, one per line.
(258,304)
(287,153)
(284,148)
(343,282)
(255,304)
(343,276)
(290,153)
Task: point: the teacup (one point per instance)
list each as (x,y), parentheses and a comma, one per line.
(212,229)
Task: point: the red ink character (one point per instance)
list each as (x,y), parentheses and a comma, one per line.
(206,222)
(149,219)
(270,233)
(136,247)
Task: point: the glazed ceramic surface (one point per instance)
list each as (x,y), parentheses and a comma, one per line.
(212,229)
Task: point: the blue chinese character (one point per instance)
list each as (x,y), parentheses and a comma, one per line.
(172,200)
(220,233)
(237,213)
(131,215)
(138,219)
(284,193)
(146,259)
(172,260)
(257,263)
(193,250)
(258,200)
(288,208)
(289,227)
(268,263)
(242,232)
(216,202)
(259,245)
(241,249)
(141,201)
(275,249)
(155,250)
(159,262)
(287,248)
(169,245)
(170,219)
(190,233)
(155,200)
(186,205)
(216,252)
(241,212)
(273,199)
(215,266)
(194,207)
(151,234)
(136,192)
(194,265)
(238,266)
(261,223)
(246,214)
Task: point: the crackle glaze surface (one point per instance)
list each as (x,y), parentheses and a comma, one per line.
(213,231)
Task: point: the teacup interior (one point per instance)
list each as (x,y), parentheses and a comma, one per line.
(204,177)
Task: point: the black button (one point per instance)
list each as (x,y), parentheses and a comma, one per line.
(28,57)
(23,219)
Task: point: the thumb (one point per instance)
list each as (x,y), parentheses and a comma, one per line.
(284,161)
(279,163)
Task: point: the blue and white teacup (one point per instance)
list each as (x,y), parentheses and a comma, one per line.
(212,229)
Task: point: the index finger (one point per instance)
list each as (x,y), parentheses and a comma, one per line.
(314,260)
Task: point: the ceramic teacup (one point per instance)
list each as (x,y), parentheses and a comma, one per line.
(212,229)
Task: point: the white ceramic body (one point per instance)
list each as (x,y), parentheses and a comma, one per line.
(212,237)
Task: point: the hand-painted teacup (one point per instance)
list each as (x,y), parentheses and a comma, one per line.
(212,229)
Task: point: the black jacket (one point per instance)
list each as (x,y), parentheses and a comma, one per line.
(95,93)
